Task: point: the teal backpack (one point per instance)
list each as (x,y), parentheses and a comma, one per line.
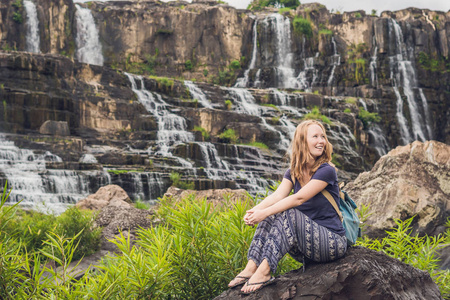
(347,214)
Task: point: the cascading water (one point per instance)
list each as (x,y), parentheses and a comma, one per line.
(197,93)
(373,66)
(335,61)
(307,78)
(276,29)
(377,138)
(32,37)
(89,49)
(243,81)
(403,73)
(284,71)
(245,103)
(171,128)
(38,186)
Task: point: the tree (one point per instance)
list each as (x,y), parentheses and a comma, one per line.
(260,4)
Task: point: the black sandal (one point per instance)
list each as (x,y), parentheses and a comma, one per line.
(263,284)
(245,279)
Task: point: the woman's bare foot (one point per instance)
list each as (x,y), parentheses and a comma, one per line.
(242,277)
(262,275)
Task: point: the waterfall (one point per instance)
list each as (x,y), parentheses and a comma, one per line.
(171,128)
(32,37)
(373,66)
(278,27)
(307,78)
(403,73)
(243,81)
(335,61)
(378,140)
(215,167)
(284,70)
(89,49)
(427,114)
(197,93)
(38,186)
(245,104)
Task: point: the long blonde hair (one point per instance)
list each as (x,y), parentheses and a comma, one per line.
(300,154)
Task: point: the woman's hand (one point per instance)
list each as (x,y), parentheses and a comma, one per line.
(254,216)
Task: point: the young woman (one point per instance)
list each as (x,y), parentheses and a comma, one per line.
(304,224)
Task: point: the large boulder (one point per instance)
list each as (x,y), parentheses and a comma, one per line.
(360,274)
(125,220)
(110,195)
(411,180)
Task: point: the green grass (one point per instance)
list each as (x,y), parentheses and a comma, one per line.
(259,145)
(316,115)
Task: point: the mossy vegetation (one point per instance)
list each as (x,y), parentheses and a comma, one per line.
(315,114)
(176,181)
(261,4)
(228,104)
(434,64)
(367,117)
(229,136)
(205,133)
(259,145)
(302,27)
(228,75)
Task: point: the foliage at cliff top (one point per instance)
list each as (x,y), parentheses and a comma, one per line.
(261,4)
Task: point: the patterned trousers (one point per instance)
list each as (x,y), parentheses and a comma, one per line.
(292,232)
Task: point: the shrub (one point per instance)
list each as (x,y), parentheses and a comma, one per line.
(229,136)
(17,17)
(347,110)
(350,100)
(205,133)
(228,104)
(325,31)
(367,117)
(205,72)
(176,181)
(188,65)
(141,205)
(316,115)
(419,252)
(357,15)
(302,27)
(235,65)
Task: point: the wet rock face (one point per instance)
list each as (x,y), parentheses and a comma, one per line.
(411,180)
(173,33)
(360,274)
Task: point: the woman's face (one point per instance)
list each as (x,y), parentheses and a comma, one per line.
(316,140)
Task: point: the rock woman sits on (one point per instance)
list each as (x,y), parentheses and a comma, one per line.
(303,224)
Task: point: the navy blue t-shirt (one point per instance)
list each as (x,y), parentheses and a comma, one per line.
(318,208)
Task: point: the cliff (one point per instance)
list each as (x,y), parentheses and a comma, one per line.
(79,92)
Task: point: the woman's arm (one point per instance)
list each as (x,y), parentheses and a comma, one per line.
(281,192)
(312,188)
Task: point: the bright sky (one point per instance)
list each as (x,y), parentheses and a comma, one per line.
(367,5)
(352,5)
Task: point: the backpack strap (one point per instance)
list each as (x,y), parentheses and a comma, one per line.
(333,203)
(329,198)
